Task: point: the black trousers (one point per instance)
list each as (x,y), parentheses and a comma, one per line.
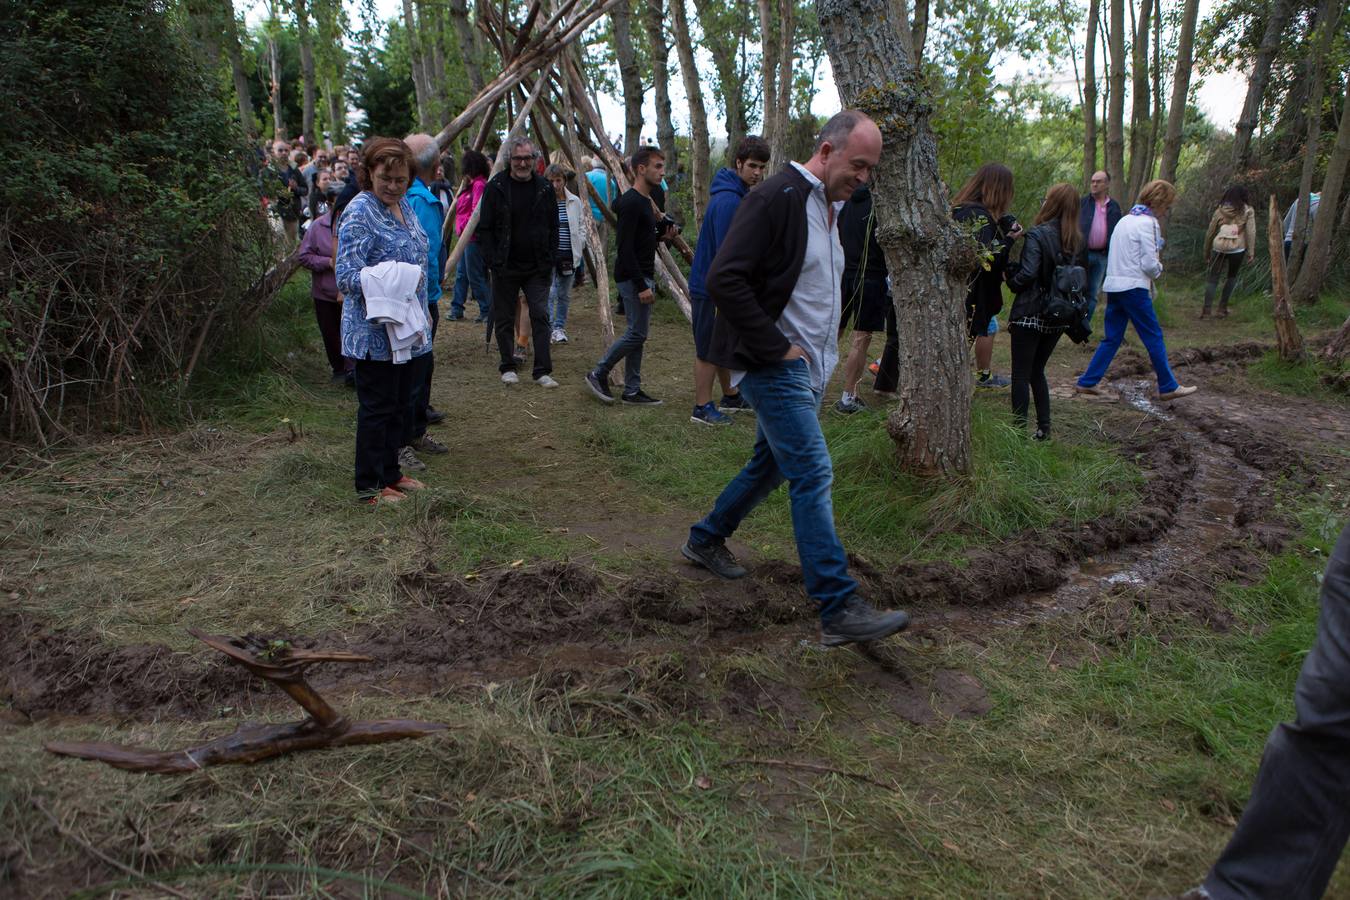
(421,397)
(888,373)
(329,316)
(383,403)
(506,286)
(1296,824)
(1031,350)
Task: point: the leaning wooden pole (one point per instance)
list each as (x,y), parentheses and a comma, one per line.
(1287,338)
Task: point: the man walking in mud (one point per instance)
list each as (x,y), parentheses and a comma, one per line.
(776,284)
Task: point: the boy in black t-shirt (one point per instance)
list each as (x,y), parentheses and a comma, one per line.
(638,234)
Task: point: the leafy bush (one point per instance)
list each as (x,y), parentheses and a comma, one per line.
(129,219)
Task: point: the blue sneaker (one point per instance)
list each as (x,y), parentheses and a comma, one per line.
(707,414)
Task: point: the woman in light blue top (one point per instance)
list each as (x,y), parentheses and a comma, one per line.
(379,226)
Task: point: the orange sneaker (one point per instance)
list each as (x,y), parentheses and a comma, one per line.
(386,495)
(405,484)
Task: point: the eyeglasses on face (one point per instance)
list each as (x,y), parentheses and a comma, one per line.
(522,159)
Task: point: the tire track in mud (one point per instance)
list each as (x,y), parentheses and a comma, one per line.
(1205,516)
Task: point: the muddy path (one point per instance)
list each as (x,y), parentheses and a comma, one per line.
(1212,464)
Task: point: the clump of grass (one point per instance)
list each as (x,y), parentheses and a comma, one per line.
(1302,379)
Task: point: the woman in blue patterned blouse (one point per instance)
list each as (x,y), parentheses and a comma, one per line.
(379,226)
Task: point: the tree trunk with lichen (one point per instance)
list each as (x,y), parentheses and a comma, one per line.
(928,256)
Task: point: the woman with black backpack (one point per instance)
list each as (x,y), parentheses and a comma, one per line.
(1054,241)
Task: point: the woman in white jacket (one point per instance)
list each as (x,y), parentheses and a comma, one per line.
(1131,267)
(571,240)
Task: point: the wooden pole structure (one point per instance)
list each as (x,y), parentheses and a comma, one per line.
(1287,338)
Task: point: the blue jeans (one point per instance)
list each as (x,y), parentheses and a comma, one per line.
(1123,307)
(1296,823)
(1096,271)
(628,346)
(470,274)
(789,446)
(560,298)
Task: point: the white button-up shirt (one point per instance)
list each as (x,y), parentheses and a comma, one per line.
(811,318)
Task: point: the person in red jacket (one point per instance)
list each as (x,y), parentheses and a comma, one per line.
(316,254)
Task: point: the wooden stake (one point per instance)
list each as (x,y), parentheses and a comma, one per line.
(1288,340)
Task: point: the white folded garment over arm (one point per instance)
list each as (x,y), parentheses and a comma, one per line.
(390,291)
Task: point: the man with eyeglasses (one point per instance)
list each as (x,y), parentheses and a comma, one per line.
(517,234)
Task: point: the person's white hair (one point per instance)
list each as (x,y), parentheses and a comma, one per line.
(425,152)
(517,141)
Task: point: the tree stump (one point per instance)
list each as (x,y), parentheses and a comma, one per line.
(1288,340)
(284,666)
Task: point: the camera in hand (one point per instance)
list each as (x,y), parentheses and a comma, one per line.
(1008,223)
(666,226)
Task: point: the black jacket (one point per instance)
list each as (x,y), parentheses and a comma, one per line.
(755,271)
(494,229)
(985,290)
(858,236)
(1042,251)
(1087,208)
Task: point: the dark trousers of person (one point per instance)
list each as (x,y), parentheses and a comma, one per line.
(1296,823)
(421,395)
(383,403)
(628,346)
(1217,264)
(506,287)
(1031,350)
(888,372)
(329,316)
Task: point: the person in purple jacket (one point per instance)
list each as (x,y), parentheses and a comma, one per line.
(316,254)
(728,187)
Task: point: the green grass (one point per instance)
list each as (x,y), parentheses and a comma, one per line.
(1302,379)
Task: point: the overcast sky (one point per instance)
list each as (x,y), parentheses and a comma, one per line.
(1219,96)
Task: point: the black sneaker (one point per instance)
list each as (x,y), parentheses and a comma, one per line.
(992,381)
(733,403)
(859,622)
(638,398)
(1042,434)
(434,415)
(716,558)
(599,387)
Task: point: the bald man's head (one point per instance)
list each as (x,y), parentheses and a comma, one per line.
(426,155)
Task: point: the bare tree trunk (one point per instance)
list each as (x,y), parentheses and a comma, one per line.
(1181,86)
(768,74)
(776,28)
(787,31)
(236,56)
(1276,19)
(1339,346)
(417,60)
(630,75)
(1115,117)
(1139,101)
(1318,256)
(468,49)
(439,83)
(1287,339)
(918,30)
(654,15)
(306,71)
(928,256)
(698,115)
(723,45)
(274,63)
(1090,92)
(1156,118)
(1328,16)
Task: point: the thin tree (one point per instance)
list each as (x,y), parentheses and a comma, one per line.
(1139,120)
(630,73)
(918,30)
(329,61)
(653,17)
(235,54)
(1317,258)
(1181,86)
(417,62)
(1090,92)
(777,23)
(1328,17)
(1115,117)
(1277,17)
(698,115)
(307,92)
(468,48)
(274,65)
(724,35)
(928,256)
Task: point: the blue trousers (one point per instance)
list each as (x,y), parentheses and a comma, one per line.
(789,446)
(1122,308)
(1096,271)
(1296,824)
(628,346)
(471,274)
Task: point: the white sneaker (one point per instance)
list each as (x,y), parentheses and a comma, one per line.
(559,336)
(546,381)
(510,378)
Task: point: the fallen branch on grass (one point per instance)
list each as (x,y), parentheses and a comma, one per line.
(812,767)
(284,666)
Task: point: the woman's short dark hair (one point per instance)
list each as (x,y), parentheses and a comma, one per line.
(382,151)
(475,165)
(1236,197)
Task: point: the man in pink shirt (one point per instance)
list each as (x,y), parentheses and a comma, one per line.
(1097,218)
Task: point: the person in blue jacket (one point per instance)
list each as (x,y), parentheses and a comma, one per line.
(728,187)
